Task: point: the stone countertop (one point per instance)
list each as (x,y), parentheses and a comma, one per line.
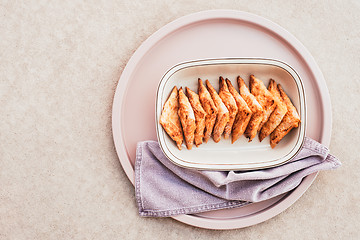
(60,62)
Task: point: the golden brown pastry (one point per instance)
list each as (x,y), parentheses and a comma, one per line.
(222,115)
(170,120)
(187,119)
(277,115)
(243,115)
(230,103)
(200,115)
(255,107)
(210,109)
(291,120)
(263,96)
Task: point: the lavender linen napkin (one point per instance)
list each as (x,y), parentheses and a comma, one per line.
(164,189)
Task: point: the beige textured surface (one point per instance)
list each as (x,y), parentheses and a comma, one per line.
(59,65)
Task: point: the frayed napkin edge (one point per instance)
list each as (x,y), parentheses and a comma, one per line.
(191,210)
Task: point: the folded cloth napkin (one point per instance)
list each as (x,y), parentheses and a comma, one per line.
(164,189)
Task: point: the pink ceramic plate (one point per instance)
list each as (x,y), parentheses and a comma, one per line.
(214,34)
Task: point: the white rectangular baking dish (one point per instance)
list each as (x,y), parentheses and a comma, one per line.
(240,155)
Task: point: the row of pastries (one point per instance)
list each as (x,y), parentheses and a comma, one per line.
(196,117)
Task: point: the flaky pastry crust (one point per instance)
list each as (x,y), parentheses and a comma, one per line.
(187,119)
(263,96)
(255,107)
(210,109)
(222,115)
(291,120)
(170,120)
(200,115)
(243,115)
(277,115)
(230,103)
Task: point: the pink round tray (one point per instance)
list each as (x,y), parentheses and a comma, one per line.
(214,34)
